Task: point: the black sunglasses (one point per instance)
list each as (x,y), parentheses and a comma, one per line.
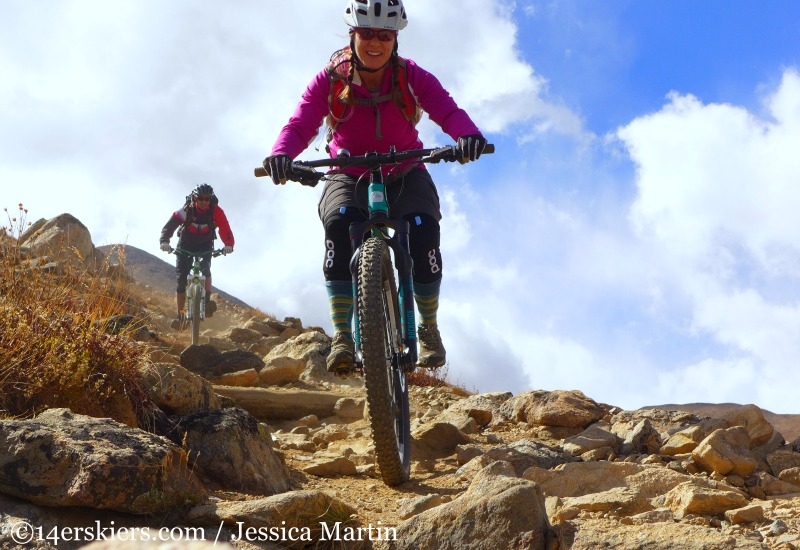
(204,198)
(366,33)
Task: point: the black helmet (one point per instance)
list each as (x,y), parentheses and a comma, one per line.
(203,189)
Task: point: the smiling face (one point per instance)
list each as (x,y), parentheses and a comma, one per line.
(374,47)
(202,202)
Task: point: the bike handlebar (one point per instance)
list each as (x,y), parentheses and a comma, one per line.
(304,171)
(214,253)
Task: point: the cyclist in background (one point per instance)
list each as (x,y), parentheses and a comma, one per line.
(197,221)
(371,99)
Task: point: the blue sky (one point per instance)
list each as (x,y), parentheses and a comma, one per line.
(634,236)
(612,61)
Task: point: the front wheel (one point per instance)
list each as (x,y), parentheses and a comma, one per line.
(196,300)
(381,345)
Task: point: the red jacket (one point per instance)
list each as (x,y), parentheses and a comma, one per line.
(201,230)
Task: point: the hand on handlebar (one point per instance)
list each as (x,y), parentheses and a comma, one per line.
(279,168)
(227,250)
(165,247)
(470,147)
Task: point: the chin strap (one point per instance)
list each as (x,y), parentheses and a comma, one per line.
(360,66)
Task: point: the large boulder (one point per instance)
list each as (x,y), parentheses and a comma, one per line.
(752,419)
(176,390)
(61,238)
(568,409)
(232,450)
(726,452)
(65,459)
(309,348)
(208,362)
(498,510)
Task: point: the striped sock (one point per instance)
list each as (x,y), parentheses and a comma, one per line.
(427,298)
(340,299)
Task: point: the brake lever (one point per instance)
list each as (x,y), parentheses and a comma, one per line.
(306,175)
(446,153)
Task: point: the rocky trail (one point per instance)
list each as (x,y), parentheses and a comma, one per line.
(254,445)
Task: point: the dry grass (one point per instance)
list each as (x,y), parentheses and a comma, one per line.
(428,378)
(55,349)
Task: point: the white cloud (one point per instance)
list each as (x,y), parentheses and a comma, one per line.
(711,171)
(717,204)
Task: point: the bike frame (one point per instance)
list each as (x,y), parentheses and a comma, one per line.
(378,225)
(195,278)
(195,290)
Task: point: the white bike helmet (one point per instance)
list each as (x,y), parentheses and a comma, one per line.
(377,14)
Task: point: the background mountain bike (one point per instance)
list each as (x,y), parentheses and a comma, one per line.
(384,318)
(195,291)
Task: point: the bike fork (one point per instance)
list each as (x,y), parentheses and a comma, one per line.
(401,248)
(399,244)
(356,318)
(190,296)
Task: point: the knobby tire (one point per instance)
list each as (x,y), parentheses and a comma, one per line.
(197,297)
(387,390)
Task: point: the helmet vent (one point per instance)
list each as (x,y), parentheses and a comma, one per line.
(379,14)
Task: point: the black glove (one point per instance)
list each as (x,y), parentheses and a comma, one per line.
(279,168)
(470,147)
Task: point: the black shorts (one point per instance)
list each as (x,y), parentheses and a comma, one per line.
(183,263)
(414,193)
(413,198)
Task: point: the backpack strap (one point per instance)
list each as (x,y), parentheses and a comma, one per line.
(411,108)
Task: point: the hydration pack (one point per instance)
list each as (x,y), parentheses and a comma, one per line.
(201,224)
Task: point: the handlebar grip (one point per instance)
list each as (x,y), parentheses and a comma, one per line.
(488,149)
(311,179)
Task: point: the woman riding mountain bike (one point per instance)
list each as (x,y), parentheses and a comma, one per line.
(371,99)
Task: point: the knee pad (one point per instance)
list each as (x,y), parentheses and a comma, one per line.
(338,249)
(424,238)
(205,266)
(181,271)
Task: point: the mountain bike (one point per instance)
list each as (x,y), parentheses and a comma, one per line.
(195,290)
(384,329)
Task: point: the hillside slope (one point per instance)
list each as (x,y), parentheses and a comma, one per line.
(149,270)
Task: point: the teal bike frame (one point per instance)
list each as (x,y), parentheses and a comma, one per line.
(395,233)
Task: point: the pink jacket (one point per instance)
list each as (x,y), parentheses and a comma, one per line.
(357,134)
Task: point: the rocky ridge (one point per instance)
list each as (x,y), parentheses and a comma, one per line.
(254,445)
